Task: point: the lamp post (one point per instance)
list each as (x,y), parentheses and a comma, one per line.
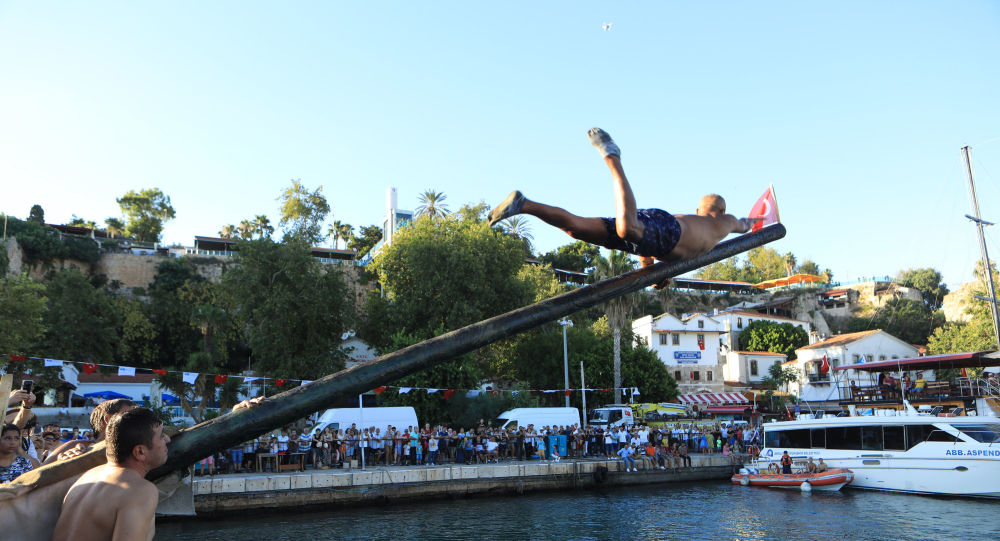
(565,323)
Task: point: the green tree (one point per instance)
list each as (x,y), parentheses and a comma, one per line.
(779,377)
(928,282)
(975,335)
(228,231)
(80,322)
(789,260)
(473,213)
(22,310)
(432,205)
(618,310)
(577,256)
(170,311)
(303,212)
(292,309)
(262,226)
(764,263)
(909,320)
(80,222)
(36,214)
(115,227)
(727,270)
(809,267)
(137,345)
(145,213)
(369,236)
(774,337)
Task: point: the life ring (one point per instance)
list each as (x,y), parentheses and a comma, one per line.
(772,468)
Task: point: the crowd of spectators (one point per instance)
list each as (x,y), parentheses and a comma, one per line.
(665,448)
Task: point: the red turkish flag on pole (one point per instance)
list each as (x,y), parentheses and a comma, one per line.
(825,367)
(766,207)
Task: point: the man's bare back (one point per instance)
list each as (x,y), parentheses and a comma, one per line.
(108,499)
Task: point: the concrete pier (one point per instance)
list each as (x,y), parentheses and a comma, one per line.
(236,493)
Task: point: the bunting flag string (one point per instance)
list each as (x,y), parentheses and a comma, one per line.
(191,378)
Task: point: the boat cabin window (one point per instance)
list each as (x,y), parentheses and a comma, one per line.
(871,438)
(893,438)
(818,436)
(984,433)
(843,437)
(920,433)
(797,439)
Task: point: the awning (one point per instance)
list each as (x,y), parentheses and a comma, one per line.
(727,409)
(946,360)
(712,398)
(107,395)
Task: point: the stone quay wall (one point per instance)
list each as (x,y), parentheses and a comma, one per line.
(235,494)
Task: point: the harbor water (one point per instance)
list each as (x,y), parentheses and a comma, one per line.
(689,511)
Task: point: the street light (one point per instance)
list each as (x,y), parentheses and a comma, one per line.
(565,323)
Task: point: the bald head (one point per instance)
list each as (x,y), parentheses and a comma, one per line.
(711,205)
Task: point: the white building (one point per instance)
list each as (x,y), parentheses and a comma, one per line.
(842,350)
(689,348)
(749,367)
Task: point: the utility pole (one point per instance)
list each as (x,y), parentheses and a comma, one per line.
(583,393)
(566,322)
(982,244)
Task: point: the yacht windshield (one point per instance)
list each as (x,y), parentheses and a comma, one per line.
(984,433)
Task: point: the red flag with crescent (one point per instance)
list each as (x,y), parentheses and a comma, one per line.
(825,367)
(767,208)
(380,390)
(449,393)
(88,368)
(159,371)
(220,378)
(280,382)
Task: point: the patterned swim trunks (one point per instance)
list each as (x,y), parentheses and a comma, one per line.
(661,233)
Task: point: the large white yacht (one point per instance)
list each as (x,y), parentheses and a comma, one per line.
(904,451)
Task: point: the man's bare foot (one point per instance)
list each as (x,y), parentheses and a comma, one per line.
(510,207)
(602,140)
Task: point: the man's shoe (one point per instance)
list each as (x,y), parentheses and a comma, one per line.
(510,207)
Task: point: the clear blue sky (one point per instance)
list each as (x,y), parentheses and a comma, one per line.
(855,111)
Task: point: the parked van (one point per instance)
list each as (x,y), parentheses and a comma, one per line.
(342,418)
(610,416)
(522,417)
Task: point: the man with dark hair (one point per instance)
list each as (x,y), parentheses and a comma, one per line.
(99,418)
(115,501)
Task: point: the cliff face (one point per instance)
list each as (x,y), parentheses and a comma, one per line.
(955,303)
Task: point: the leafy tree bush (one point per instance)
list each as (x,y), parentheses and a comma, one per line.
(909,320)
(774,337)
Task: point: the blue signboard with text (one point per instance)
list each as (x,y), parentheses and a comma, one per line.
(687,357)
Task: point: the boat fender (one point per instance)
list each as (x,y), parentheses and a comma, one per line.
(600,474)
(745,481)
(806,487)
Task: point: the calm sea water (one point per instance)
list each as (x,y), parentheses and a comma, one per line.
(677,511)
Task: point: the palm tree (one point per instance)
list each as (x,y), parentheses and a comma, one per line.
(517,227)
(208,319)
(228,231)
(333,231)
(790,263)
(618,310)
(246,229)
(263,226)
(115,227)
(345,232)
(431,205)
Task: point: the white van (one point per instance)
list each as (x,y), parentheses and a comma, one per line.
(522,417)
(342,418)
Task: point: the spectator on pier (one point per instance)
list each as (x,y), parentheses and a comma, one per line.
(433,446)
(491,450)
(115,500)
(14,459)
(236,458)
(304,445)
(626,455)
(682,453)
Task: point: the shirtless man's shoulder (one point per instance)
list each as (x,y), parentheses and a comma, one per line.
(699,234)
(107,498)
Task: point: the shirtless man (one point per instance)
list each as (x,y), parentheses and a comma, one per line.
(648,233)
(99,418)
(115,501)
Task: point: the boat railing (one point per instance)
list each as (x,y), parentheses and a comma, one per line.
(979,386)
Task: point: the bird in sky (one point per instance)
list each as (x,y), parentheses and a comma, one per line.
(607,26)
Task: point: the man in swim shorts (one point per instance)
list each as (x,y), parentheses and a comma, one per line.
(648,233)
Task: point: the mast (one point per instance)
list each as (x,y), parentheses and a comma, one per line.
(982,244)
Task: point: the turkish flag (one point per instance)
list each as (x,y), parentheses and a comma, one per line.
(701,345)
(379,390)
(280,382)
(220,378)
(825,367)
(159,372)
(568,391)
(766,207)
(16,358)
(449,393)
(88,368)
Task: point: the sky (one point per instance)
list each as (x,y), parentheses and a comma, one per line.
(855,111)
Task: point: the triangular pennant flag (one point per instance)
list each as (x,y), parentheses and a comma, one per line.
(495,392)
(159,372)
(250,379)
(306,382)
(472,394)
(404,390)
(52,362)
(88,368)
(16,358)
(126,371)
(514,393)
(432,391)
(380,390)
(449,393)
(280,382)
(568,391)
(220,378)
(189,377)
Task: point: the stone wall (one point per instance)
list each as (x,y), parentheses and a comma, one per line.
(955,303)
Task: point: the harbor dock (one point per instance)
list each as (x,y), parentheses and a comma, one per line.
(236,493)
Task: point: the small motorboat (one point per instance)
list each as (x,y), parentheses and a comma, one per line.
(829,480)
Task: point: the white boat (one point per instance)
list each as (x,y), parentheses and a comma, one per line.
(903,451)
